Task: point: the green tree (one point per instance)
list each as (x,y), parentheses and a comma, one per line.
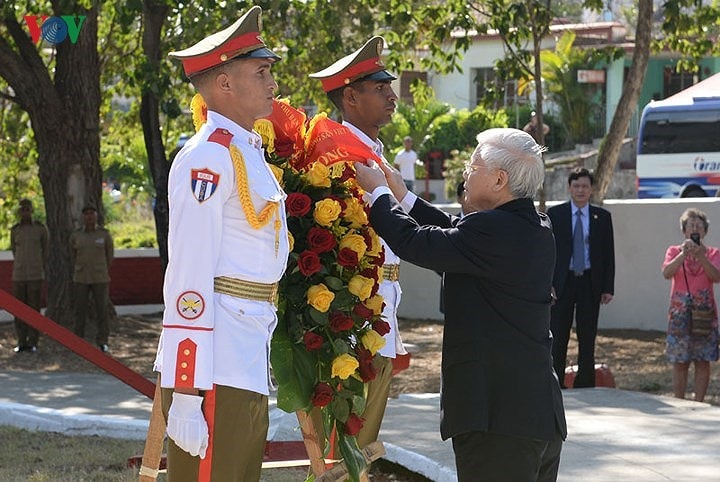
(692,29)
(574,100)
(414,119)
(18,168)
(610,147)
(59,88)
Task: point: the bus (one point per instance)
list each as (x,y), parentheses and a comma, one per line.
(678,147)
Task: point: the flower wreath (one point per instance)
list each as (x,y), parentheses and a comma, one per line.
(329,311)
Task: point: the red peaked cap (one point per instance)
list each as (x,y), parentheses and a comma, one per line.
(363,64)
(241,39)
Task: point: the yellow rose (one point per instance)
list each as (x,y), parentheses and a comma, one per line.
(326,211)
(375,304)
(337,170)
(291,241)
(278,173)
(320,297)
(354,242)
(361,286)
(318,175)
(355,213)
(376,244)
(373,341)
(266,130)
(344,366)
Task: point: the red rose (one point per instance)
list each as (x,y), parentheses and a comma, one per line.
(366,236)
(372,273)
(312,341)
(365,359)
(367,370)
(298,204)
(284,149)
(347,258)
(364,355)
(347,173)
(321,240)
(309,263)
(339,321)
(353,424)
(382,327)
(363,311)
(322,395)
(379,260)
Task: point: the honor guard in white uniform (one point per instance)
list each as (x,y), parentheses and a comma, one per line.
(359,86)
(228,248)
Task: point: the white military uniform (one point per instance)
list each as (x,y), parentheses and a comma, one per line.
(389,290)
(210,338)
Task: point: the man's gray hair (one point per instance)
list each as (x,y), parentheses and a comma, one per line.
(515,152)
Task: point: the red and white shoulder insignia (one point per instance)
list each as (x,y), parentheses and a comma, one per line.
(190,305)
(221,136)
(203,183)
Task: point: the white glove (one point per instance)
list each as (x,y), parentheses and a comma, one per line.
(186,425)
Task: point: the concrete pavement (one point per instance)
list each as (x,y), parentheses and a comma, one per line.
(614,435)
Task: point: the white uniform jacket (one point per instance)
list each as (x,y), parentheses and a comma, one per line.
(389,290)
(210,338)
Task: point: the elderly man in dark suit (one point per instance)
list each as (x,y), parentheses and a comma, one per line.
(501,402)
(584,281)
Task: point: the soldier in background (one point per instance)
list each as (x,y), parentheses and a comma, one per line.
(92,249)
(29,244)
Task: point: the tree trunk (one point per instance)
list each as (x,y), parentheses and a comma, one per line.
(154,14)
(64,113)
(537,39)
(610,148)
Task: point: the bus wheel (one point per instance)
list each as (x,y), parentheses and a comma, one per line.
(694,191)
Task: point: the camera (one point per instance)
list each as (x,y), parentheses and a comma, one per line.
(695,237)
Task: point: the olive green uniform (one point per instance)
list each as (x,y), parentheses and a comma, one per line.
(29,244)
(93,254)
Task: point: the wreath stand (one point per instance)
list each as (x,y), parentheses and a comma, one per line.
(319,465)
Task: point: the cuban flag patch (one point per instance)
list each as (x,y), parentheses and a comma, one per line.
(203,182)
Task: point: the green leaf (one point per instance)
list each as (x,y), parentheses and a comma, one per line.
(358,404)
(333,283)
(353,458)
(321,319)
(340,408)
(281,349)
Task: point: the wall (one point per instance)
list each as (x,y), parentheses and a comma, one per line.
(136,276)
(643,231)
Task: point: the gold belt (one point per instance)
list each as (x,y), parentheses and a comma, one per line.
(391,272)
(248,290)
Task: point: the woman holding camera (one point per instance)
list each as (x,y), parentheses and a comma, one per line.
(692,322)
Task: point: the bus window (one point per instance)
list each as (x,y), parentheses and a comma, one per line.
(679,148)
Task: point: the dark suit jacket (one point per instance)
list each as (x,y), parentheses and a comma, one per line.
(497,373)
(602,248)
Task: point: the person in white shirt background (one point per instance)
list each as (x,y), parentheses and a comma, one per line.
(405,161)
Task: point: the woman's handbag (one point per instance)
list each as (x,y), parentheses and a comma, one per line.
(701,319)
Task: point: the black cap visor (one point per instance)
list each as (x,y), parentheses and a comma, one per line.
(379,76)
(261,53)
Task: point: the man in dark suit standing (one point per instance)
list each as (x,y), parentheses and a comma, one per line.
(584,281)
(501,402)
